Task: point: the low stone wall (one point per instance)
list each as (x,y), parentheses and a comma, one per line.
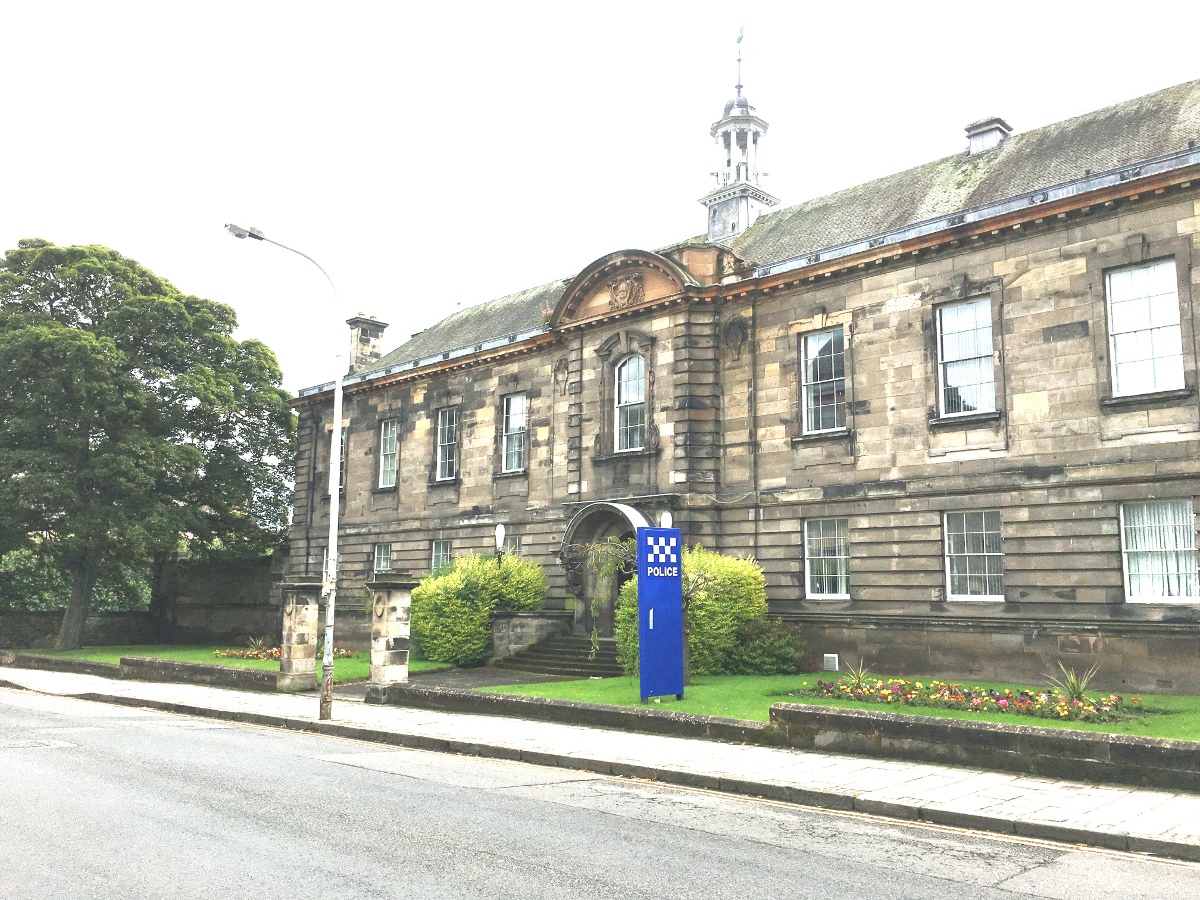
(596,715)
(513,631)
(39,630)
(60,664)
(1046,752)
(140,668)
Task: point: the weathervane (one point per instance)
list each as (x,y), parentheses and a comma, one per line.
(741,34)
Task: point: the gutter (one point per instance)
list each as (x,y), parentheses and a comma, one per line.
(951,225)
(1113,178)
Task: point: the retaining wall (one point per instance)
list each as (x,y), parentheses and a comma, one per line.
(1032,750)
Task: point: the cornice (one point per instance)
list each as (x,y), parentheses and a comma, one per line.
(1146,181)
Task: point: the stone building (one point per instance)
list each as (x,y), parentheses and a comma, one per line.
(952,412)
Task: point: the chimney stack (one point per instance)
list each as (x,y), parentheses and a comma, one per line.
(366,332)
(986,134)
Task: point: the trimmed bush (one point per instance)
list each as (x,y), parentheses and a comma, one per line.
(734,591)
(452,607)
(766,647)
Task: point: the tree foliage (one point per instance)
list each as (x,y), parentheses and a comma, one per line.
(131,420)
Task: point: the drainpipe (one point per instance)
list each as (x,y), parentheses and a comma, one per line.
(754,416)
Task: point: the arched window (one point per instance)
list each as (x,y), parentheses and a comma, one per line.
(631,404)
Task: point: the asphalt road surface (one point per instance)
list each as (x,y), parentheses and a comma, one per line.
(106,801)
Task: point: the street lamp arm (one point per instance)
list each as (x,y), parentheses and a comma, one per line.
(305,255)
(254,234)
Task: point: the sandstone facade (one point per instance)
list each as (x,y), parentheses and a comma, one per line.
(727,449)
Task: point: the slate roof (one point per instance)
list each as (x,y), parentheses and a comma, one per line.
(1111,138)
(522,311)
(1138,129)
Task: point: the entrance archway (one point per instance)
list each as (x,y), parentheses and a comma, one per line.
(596,522)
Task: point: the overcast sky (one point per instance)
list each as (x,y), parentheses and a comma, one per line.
(432,155)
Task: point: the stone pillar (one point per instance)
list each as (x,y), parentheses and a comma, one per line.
(389,632)
(298,661)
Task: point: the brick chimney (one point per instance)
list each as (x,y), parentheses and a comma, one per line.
(986,134)
(366,332)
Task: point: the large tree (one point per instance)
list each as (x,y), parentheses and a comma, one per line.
(131,420)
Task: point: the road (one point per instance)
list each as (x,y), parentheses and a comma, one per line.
(108,801)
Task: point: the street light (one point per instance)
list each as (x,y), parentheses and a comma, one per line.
(329,576)
(499,541)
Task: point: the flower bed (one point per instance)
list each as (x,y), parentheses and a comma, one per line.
(273,653)
(1041,704)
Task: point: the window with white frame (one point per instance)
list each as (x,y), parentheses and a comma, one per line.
(824,381)
(383,557)
(342,461)
(512,544)
(1145,340)
(514,432)
(447,443)
(974,558)
(631,404)
(387,453)
(827,559)
(966,374)
(443,553)
(1158,542)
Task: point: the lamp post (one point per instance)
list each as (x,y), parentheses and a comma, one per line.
(499,542)
(329,576)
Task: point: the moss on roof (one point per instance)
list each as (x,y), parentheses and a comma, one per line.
(512,314)
(1138,129)
(1143,128)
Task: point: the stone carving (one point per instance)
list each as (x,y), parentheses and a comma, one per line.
(736,333)
(652,436)
(560,375)
(626,290)
(573,561)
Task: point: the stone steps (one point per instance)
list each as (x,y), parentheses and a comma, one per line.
(566,656)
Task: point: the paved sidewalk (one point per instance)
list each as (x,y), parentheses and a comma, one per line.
(1121,818)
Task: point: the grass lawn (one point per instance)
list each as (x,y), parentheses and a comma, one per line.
(750,697)
(344,670)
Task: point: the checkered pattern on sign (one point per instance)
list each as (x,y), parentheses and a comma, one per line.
(660,550)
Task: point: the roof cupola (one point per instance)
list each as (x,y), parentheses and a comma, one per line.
(738,197)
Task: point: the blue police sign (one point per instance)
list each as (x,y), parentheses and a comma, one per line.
(660,612)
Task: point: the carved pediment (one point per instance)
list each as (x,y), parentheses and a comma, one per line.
(625,280)
(708,263)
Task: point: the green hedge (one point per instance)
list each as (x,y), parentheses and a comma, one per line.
(734,593)
(452,607)
(766,647)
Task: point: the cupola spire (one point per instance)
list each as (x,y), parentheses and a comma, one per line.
(738,197)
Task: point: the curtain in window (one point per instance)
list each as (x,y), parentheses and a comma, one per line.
(827,552)
(1160,550)
(968,376)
